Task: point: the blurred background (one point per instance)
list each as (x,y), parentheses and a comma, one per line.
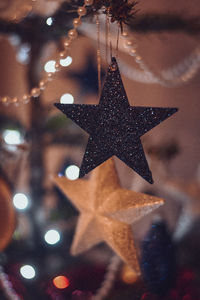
(37,221)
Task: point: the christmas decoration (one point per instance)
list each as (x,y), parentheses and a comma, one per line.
(36,91)
(115,127)
(7,287)
(109,278)
(158,258)
(33,31)
(128,275)
(178,74)
(7,215)
(121,11)
(107,211)
(185,288)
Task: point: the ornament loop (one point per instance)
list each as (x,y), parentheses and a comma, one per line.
(113,65)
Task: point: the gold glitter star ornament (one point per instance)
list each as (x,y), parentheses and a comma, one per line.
(107,212)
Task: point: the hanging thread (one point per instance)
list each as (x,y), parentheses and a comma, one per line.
(106,37)
(109,39)
(98,52)
(117,45)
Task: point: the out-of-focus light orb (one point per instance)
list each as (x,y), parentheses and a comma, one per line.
(50,66)
(72,172)
(52,237)
(128,275)
(67,99)
(20,201)
(23,54)
(12,137)
(65,62)
(14,40)
(61,282)
(27,272)
(49,21)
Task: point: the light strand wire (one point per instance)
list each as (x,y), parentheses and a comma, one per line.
(7,286)
(109,279)
(178,74)
(35,92)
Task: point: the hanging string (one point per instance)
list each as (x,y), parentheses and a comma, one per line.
(109,278)
(109,38)
(98,52)
(106,37)
(117,45)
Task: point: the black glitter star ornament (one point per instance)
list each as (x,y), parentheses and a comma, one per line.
(114,126)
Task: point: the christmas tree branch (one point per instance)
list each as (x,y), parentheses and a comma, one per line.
(35,27)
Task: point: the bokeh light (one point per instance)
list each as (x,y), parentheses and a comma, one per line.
(27,271)
(12,137)
(128,275)
(49,21)
(20,201)
(23,54)
(50,66)
(72,172)
(61,282)
(67,99)
(52,237)
(65,62)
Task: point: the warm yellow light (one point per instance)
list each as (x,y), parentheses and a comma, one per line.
(61,282)
(128,275)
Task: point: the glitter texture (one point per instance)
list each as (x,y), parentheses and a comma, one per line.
(115,127)
(107,212)
(158,262)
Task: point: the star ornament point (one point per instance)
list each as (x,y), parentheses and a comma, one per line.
(115,127)
(107,212)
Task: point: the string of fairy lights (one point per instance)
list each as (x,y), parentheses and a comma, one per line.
(52,235)
(176,75)
(12,137)
(63,60)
